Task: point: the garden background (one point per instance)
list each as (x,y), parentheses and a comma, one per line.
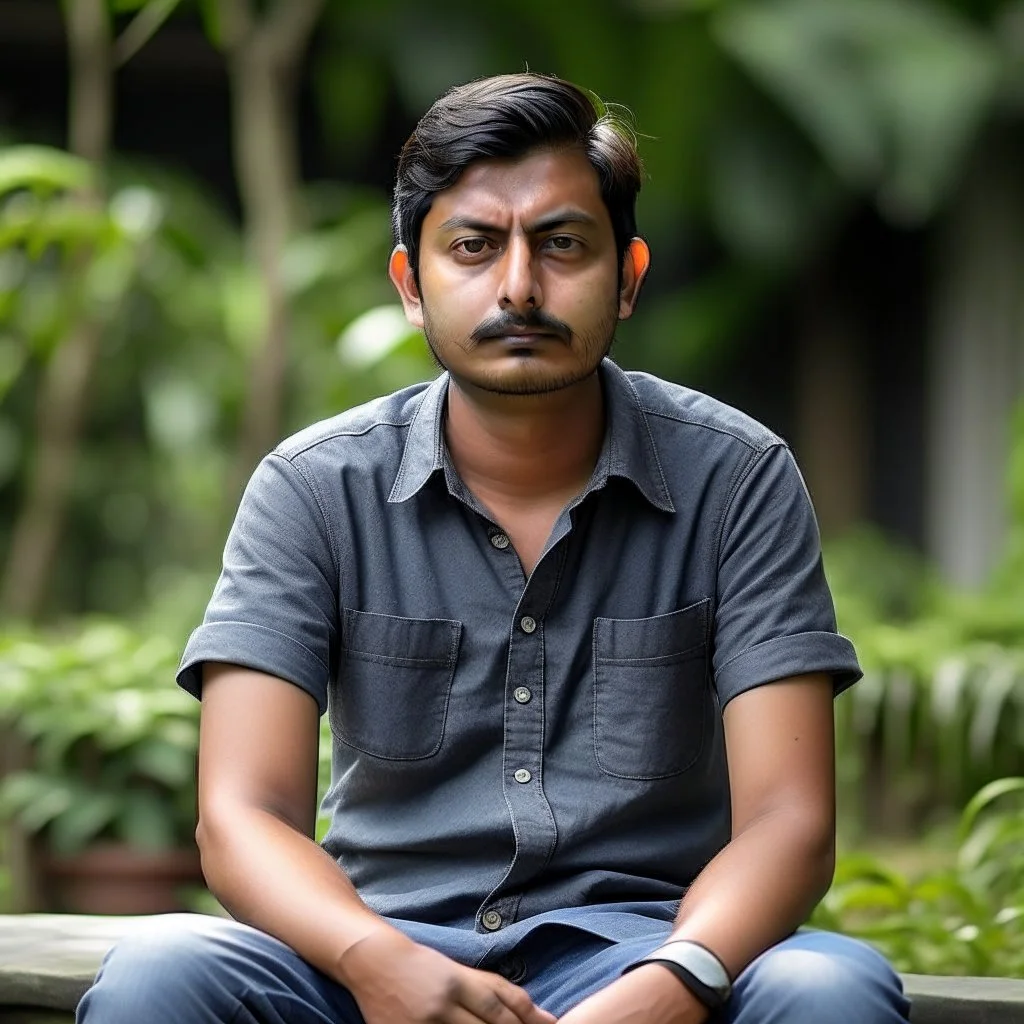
(193,237)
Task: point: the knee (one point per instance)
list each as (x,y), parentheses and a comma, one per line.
(169,961)
(821,977)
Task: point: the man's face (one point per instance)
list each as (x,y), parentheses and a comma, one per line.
(519,286)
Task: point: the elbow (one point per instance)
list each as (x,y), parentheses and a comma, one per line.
(805,839)
(213,839)
(817,841)
(206,834)
(204,839)
(825,865)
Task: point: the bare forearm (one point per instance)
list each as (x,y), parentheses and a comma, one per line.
(759,889)
(270,876)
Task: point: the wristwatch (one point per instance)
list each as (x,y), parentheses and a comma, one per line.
(696,967)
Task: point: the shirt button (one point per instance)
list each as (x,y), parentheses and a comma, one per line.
(513,970)
(500,541)
(522,775)
(522,695)
(527,623)
(491,920)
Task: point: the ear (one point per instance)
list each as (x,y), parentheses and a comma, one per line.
(635,265)
(402,277)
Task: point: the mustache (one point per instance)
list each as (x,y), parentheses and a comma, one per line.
(499,325)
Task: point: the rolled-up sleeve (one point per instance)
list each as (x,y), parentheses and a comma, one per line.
(274,608)
(774,613)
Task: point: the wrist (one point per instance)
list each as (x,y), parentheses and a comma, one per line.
(675,1003)
(696,968)
(379,948)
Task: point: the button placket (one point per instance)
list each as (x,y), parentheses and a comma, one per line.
(532,818)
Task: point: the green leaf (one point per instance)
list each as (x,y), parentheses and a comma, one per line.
(172,766)
(34,799)
(143,27)
(993,700)
(210,16)
(42,169)
(146,820)
(83,821)
(984,798)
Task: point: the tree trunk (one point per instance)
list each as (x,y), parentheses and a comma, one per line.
(63,396)
(264,56)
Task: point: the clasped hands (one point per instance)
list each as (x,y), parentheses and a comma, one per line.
(396,981)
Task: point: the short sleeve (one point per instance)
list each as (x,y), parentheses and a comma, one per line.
(774,616)
(274,608)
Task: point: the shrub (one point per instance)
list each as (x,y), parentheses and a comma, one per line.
(966,919)
(111,741)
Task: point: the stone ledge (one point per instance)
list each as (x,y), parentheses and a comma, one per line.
(938,1000)
(48,960)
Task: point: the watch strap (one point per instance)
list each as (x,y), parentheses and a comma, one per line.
(706,995)
(696,967)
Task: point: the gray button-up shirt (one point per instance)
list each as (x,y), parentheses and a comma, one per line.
(511,750)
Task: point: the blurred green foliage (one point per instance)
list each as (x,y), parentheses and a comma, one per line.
(112,745)
(168,275)
(940,712)
(966,919)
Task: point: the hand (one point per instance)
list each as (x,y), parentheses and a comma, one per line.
(396,981)
(647,995)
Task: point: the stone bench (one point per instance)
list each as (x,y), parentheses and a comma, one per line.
(48,960)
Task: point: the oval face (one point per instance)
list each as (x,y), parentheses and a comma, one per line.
(519,276)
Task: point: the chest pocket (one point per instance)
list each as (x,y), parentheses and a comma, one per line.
(394,683)
(652,698)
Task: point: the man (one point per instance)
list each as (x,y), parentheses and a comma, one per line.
(572,633)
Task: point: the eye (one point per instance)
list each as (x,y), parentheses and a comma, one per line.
(563,243)
(471,246)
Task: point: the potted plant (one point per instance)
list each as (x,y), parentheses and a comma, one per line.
(106,793)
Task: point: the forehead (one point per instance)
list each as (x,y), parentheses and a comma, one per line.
(501,191)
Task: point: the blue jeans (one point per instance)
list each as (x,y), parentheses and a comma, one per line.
(206,970)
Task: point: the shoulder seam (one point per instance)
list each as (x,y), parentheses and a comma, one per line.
(771,440)
(290,456)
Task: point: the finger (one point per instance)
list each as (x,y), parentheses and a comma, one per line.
(484,1000)
(519,1002)
(463,1015)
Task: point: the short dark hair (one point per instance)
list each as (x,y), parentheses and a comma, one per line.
(508,116)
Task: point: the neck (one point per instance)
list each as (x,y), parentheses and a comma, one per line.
(526,447)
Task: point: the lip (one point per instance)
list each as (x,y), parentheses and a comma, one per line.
(523,337)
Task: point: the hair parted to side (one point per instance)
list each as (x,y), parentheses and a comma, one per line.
(508,116)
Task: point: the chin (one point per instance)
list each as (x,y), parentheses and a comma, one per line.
(530,380)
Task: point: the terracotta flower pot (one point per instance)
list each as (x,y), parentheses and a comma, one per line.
(113,878)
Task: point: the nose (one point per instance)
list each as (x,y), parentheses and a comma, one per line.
(519,289)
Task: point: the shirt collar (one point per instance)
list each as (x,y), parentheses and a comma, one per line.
(628,451)
(424,449)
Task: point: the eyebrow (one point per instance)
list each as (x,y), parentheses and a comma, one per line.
(554,220)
